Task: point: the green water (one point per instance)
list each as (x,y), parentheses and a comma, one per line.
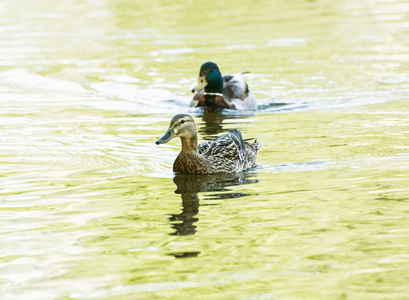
(90,208)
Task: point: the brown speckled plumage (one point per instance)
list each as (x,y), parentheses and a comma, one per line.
(228,153)
(191,162)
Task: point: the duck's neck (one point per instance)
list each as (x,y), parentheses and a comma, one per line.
(189,145)
(189,160)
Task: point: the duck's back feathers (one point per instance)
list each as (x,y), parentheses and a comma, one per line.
(230,153)
(227,145)
(234,87)
(236,92)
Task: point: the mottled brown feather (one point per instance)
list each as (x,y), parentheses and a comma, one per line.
(228,153)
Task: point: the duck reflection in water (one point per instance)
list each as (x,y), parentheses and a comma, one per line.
(189,186)
(212,125)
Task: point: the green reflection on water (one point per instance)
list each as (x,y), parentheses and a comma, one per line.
(89,207)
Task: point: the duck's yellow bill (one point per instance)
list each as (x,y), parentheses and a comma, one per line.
(170,134)
(200,85)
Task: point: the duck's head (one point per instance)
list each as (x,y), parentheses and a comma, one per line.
(210,79)
(182,125)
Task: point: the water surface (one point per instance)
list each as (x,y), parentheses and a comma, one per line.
(90,208)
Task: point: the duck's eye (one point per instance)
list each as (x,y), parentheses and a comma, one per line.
(183,121)
(211,70)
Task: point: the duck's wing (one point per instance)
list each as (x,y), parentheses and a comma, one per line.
(203,147)
(229,146)
(229,153)
(234,87)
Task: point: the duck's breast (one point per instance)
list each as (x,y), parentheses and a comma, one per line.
(190,163)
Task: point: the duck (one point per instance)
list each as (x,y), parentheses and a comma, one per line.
(228,153)
(215,91)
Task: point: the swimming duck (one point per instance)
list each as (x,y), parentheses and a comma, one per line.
(228,153)
(214,91)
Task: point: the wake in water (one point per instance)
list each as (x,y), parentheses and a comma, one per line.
(128,96)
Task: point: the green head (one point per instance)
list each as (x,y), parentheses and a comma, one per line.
(210,79)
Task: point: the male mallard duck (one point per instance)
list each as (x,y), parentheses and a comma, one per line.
(228,153)
(214,91)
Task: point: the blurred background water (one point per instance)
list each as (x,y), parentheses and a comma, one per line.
(90,208)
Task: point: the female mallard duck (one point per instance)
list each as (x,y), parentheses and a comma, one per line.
(214,91)
(228,153)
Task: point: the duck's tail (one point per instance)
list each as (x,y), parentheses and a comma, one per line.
(255,146)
